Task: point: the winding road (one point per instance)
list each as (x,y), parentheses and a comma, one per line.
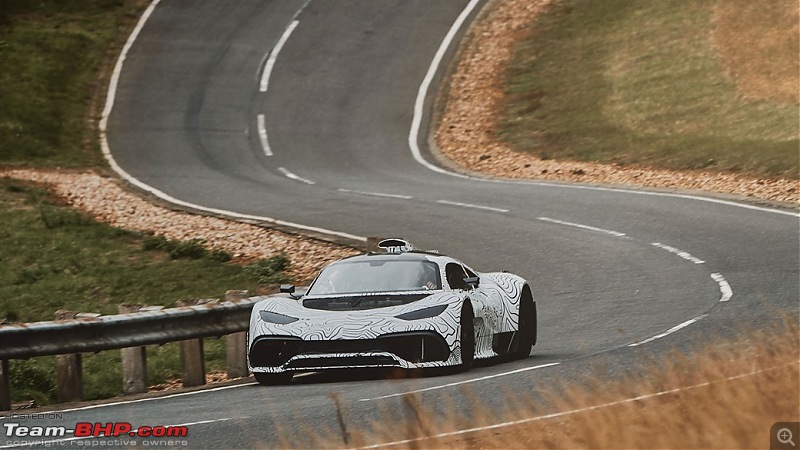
(314,114)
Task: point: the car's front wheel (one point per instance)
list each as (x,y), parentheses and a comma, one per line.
(273,379)
(467,337)
(526,333)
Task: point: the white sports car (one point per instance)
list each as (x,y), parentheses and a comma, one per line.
(404,308)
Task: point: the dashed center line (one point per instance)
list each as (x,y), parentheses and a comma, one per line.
(274,55)
(292,176)
(685,255)
(724,288)
(262,135)
(584,227)
(376,194)
(469,205)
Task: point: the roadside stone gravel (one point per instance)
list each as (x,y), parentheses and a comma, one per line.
(464,134)
(105,200)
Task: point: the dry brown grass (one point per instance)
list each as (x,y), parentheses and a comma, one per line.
(754,40)
(725,396)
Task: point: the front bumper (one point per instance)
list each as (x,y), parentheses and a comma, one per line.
(408,350)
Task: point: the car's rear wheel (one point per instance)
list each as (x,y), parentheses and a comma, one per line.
(526,333)
(467,337)
(273,379)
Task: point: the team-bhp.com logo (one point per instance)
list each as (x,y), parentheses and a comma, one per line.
(89,430)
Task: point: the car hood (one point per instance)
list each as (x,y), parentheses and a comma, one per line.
(297,308)
(314,324)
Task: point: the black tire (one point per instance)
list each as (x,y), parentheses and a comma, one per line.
(467,336)
(273,379)
(526,335)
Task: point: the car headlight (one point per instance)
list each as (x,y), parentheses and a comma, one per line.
(423,313)
(273,317)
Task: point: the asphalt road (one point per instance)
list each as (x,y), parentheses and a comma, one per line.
(192,118)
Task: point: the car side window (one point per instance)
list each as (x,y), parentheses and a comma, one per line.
(455,276)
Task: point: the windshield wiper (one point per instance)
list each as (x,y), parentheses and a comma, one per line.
(388,298)
(357,302)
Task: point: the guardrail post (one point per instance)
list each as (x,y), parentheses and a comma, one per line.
(134,361)
(193,365)
(5,386)
(236,343)
(69,372)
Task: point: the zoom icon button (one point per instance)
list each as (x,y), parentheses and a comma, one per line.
(783,435)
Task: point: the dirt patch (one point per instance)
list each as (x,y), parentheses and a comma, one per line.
(752,38)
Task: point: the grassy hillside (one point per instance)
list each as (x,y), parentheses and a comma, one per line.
(52,53)
(674,84)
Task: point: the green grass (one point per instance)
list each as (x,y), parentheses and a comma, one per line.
(71,262)
(637,82)
(52,257)
(51,52)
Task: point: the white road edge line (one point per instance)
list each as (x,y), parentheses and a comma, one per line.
(724,288)
(376,194)
(685,255)
(112,85)
(142,400)
(638,191)
(292,176)
(469,205)
(443,386)
(273,56)
(585,227)
(668,332)
(103,125)
(262,135)
(419,104)
(574,411)
(83,438)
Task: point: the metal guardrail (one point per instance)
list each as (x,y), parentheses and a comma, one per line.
(89,335)
(131,333)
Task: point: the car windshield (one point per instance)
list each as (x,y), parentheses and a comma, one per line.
(377,275)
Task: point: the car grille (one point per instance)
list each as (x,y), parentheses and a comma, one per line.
(347,361)
(414,347)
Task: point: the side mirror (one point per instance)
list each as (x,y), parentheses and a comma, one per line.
(472,282)
(287,288)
